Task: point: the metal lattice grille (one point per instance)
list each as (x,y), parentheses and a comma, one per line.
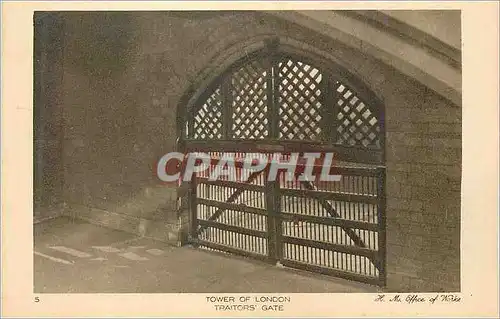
(285,98)
(250,103)
(299,105)
(207,122)
(357,124)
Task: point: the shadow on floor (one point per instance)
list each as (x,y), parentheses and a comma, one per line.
(73,256)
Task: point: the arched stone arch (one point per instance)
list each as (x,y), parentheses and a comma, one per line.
(257,48)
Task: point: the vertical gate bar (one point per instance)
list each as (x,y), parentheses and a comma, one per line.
(328,117)
(226,108)
(271,220)
(272,87)
(381,133)
(381,224)
(270,98)
(193,206)
(278,220)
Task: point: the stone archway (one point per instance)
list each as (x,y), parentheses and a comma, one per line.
(281,98)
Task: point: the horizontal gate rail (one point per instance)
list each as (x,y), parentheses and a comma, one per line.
(331,272)
(329,221)
(324,195)
(228,249)
(344,153)
(228,206)
(233,184)
(301,164)
(372,254)
(234,229)
(355,171)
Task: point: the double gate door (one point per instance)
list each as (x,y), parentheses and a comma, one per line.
(335,228)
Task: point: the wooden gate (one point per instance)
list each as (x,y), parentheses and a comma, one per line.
(274,101)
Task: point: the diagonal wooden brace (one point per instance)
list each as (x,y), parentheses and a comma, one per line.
(231,199)
(331,211)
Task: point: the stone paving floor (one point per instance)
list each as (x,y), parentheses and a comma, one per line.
(72,256)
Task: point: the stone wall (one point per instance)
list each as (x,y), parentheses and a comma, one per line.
(47,126)
(126,75)
(423,191)
(115,129)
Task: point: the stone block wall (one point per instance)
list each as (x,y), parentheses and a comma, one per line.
(48,109)
(423,195)
(114,129)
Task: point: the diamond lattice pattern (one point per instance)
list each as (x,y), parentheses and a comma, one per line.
(250,103)
(357,124)
(299,105)
(207,122)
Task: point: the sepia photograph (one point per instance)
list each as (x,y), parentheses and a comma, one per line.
(116,93)
(255,159)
